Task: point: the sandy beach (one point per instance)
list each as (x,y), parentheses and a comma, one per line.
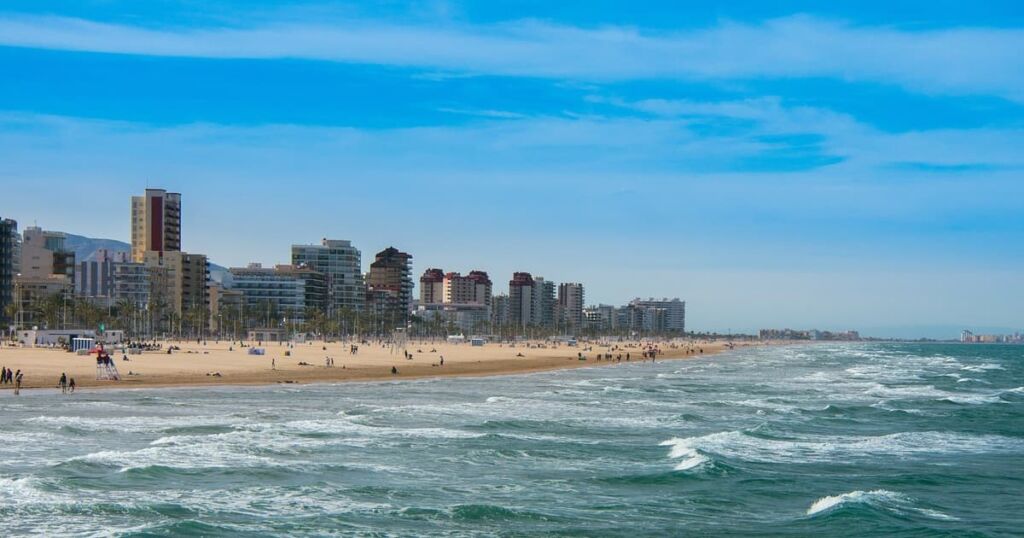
(197,364)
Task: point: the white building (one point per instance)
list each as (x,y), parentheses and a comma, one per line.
(341,264)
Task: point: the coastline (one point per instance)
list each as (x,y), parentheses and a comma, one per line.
(189,367)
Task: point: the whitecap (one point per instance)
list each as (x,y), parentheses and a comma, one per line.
(879,498)
(682,450)
(875,498)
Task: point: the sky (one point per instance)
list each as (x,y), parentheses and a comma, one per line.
(831,165)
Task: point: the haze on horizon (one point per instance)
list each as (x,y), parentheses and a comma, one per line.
(856,165)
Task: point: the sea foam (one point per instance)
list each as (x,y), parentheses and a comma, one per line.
(882,499)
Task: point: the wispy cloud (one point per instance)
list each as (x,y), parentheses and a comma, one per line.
(949,61)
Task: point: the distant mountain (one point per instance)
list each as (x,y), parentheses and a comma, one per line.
(85,249)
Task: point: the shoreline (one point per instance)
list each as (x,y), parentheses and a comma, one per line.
(372,364)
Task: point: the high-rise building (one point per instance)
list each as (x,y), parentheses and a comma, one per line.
(8,233)
(570,305)
(521,300)
(131,284)
(178,281)
(94,279)
(674,314)
(341,264)
(482,287)
(499,310)
(43,254)
(544,303)
(432,286)
(285,290)
(156,223)
(389,283)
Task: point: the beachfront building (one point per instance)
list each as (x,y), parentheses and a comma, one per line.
(521,301)
(432,286)
(281,292)
(225,309)
(603,317)
(131,284)
(474,288)
(466,318)
(674,314)
(499,310)
(389,284)
(156,223)
(544,303)
(178,285)
(570,306)
(94,279)
(47,269)
(8,232)
(43,254)
(341,264)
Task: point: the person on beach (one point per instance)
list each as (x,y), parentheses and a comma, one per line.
(17,382)
(63,383)
(71,385)
(442,360)
(394,371)
(273,364)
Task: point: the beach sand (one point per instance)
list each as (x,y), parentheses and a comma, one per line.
(190,365)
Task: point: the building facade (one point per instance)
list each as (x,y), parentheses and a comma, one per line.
(178,282)
(674,314)
(43,254)
(389,284)
(521,302)
(570,306)
(432,286)
(474,288)
(544,303)
(131,284)
(8,233)
(94,279)
(156,223)
(341,264)
(284,291)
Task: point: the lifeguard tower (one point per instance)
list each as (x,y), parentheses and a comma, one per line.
(106,369)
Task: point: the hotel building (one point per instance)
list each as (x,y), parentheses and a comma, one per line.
(341,264)
(156,223)
(389,284)
(8,232)
(285,290)
(570,305)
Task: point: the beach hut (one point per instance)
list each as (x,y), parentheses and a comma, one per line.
(82,343)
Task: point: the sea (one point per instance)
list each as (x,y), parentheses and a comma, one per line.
(807,440)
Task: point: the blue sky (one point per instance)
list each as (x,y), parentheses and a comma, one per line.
(835,165)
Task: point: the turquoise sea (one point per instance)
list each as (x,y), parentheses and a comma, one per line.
(817,440)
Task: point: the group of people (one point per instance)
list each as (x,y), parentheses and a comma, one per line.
(65,385)
(7,376)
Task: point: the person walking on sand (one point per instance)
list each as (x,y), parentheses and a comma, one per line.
(17,383)
(273,364)
(63,383)
(71,385)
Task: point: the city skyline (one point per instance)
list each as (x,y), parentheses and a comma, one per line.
(867,177)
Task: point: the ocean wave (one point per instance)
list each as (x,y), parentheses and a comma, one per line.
(687,454)
(880,499)
(742,446)
(984,367)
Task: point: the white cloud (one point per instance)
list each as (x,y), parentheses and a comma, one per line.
(956,61)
